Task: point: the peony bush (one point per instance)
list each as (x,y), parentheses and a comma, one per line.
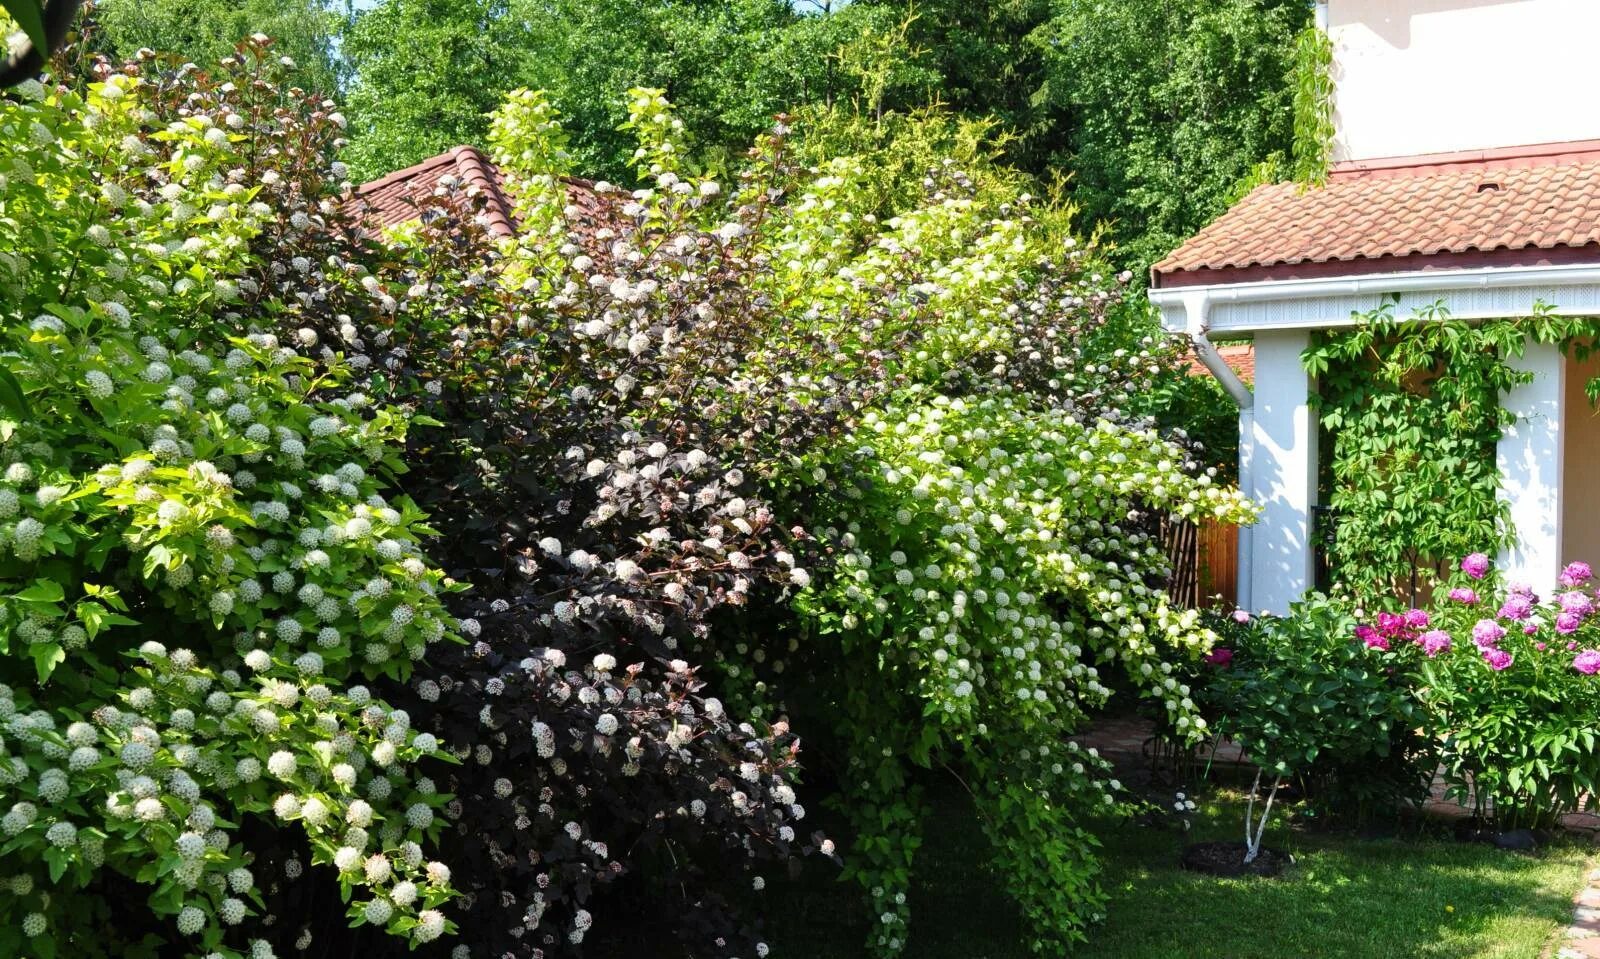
(1508,678)
(1491,686)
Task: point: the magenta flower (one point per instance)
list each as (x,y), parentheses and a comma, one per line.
(1417,619)
(1475,565)
(1434,642)
(1541,647)
(1576,574)
(1487,632)
(1518,606)
(1465,594)
(1528,629)
(1374,641)
(1576,601)
(1221,656)
(1497,659)
(1571,646)
(1587,662)
(1568,622)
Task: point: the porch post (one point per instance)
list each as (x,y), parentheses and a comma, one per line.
(1283,472)
(1529,460)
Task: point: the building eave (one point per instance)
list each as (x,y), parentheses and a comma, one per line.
(1313,303)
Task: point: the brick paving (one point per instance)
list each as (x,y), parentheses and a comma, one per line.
(1582,938)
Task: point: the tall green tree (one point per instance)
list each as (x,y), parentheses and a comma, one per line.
(428,71)
(1169,104)
(205,31)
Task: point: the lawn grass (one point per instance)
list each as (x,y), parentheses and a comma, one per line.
(1345,898)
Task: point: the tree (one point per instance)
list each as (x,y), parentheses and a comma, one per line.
(204,31)
(428,72)
(1171,104)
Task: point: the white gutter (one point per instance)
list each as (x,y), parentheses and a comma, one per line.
(1322,15)
(1172,300)
(1197,307)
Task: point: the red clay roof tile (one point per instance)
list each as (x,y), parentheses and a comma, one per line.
(391,199)
(1386,218)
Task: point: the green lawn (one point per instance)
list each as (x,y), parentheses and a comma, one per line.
(1346,898)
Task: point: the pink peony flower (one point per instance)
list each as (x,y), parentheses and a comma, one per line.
(1487,632)
(1498,659)
(1576,574)
(1475,565)
(1377,642)
(1221,656)
(1576,601)
(1434,642)
(1518,606)
(1465,594)
(1568,622)
(1587,662)
(1241,616)
(1541,647)
(1417,619)
(1529,629)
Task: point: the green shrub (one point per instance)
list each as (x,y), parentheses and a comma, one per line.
(198,553)
(1513,697)
(1303,697)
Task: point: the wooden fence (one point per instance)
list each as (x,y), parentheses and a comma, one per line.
(1205,562)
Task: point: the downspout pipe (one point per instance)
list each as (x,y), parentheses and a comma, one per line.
(1321,15)
(1197,307)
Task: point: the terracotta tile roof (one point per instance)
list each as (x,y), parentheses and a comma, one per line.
(1385,217)
(391,199)
(1240,356)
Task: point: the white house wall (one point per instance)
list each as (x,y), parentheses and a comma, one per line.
(1282,472)
(1529,458)
(1439,76)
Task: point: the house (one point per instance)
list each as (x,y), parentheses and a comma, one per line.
(1457,178)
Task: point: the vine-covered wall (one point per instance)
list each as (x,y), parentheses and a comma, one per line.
(1411,412)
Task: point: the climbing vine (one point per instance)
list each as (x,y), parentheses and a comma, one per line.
(1313,106)
(1413,409)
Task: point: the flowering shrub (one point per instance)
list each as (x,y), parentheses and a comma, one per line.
(1308,701)
(1508,680)
(636,387)
(625,421)
(199,559)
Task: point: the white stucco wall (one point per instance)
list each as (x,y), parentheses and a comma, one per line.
(1530,460)
(1438,76)
(1282,472)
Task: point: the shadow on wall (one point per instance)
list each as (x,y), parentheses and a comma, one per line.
(1391,19)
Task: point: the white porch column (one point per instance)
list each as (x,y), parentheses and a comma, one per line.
(1529,461)
(1283,472)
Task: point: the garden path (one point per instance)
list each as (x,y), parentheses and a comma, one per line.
(1582,940)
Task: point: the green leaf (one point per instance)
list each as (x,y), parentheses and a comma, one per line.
(46,657)
(29,15)
(11,396)
(42,591)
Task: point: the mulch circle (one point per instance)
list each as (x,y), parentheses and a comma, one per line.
(1227,859)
